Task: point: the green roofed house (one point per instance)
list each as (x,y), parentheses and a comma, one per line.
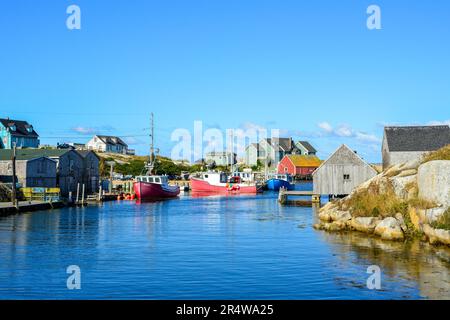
(69,165)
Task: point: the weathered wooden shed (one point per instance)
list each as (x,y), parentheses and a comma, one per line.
(31,171)
(69,166)
(341,173)
(91,170)
(407,143)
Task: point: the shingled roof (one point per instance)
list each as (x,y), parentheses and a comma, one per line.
(285,144)
(308,146)
(417,138)
(21,128)
(112,140)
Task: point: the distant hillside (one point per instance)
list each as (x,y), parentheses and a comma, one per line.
(135,165)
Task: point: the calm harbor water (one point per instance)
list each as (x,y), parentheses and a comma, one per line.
(237,247)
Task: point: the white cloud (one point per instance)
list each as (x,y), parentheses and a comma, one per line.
(84,130)
(325,126)
(93,130)
(367,137)
(344,131)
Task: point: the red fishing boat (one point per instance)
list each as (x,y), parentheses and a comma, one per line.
(214,182)
(150,186)
(154,187)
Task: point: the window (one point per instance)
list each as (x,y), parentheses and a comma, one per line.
(157,180)
(346,177)
(150,179)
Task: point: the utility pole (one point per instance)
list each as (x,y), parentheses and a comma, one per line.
(14,192)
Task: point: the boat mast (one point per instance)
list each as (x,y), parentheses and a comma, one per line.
(151,162)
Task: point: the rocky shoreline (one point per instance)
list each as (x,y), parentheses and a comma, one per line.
(406,201)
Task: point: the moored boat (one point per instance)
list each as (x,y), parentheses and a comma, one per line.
(277,181)
(215,182)
(154,187)
(151,186)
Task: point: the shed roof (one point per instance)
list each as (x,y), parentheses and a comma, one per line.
(304,160)
(417,138)
(344,156)
(21,128)
(307,146)
(285,144)
(84,153)
(27,154)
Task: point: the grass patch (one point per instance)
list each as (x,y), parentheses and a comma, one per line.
(421,203)
(443,222)
(371,203)
(441,154)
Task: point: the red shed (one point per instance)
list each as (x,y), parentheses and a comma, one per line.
(299,165)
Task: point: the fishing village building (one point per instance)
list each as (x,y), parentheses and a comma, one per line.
(31,170)
(341,173)
(19,133)
(221,158)
(69,167)
(272,150)
(403,144)
(305,148)
(299,166)
(110,144)
(91,170)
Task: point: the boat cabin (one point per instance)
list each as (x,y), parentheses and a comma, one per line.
(153,179)
(285,177)
(244,176)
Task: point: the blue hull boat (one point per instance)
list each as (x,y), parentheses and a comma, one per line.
(276,184)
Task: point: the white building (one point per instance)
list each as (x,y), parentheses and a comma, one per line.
(221,158)
(107,144)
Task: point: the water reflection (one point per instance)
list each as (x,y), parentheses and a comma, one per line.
(207,247)
(426,266)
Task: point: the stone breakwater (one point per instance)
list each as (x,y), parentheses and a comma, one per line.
(421,192)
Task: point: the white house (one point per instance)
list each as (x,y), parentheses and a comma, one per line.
(107,144)
(221,158)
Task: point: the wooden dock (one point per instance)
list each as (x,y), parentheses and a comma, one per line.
(283,197)
(6,208)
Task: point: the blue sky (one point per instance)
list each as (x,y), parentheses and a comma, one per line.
(309,68)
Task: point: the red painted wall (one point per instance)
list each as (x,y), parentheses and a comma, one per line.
(286,163)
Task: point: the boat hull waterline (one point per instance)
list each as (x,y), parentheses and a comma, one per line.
(201,186)
(276,184)
(151,191)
